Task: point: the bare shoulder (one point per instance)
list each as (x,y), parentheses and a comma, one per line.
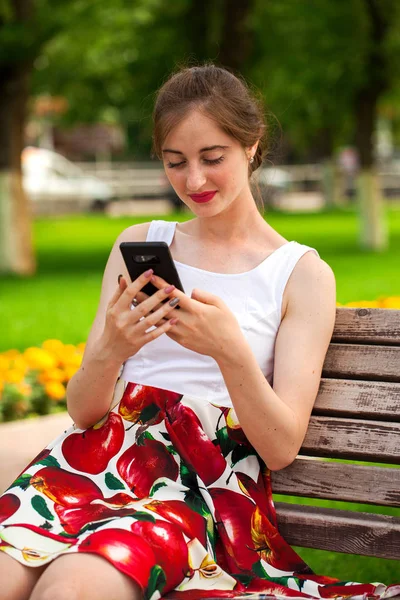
(134,233)
(311,282)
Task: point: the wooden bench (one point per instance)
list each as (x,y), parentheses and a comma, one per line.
(357,418)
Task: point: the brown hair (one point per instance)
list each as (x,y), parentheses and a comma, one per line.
(222,96)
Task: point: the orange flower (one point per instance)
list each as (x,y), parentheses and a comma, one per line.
(51,375)
(55,390)
(40,359)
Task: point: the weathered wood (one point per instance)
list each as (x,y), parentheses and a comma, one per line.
(338,481)
(340,531)
(354,439)
(358,399)
(367,325)
(352,361)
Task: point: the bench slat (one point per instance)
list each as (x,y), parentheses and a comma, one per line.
(352,361)
(339,531)
(338,481)
(352,438)
(368,326)
(367,399)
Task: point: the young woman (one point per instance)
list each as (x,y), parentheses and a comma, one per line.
(168,494)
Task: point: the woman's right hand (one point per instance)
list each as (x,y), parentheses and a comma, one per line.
(126,329)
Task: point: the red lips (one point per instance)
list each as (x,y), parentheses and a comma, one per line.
(204,197)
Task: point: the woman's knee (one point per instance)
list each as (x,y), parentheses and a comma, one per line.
(57,591)
(17,580)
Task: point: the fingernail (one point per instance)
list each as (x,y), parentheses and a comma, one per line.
(173,302)
(173,321)
(119,278)
(148,273)
(169,289)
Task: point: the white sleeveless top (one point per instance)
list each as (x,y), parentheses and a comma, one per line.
(255,298)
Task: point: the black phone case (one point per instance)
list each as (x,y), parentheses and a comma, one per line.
(159,259)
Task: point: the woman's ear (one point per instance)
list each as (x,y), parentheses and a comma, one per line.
(251,150)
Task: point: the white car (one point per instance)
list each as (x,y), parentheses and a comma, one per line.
(54,183)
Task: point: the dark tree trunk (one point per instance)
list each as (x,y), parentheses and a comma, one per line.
(236,36)
(16,249)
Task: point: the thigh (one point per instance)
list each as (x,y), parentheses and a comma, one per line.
(17,580)
(77,576)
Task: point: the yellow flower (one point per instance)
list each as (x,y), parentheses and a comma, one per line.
(51,375)
(69,371)
(38,358)
(55,390)
(14,375)
(53,346)
(11,353)
(390,302)
(364,304)
(81,347)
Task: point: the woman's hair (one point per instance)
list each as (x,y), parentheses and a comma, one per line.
(222,96)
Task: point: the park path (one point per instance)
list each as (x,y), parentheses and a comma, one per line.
(20,441)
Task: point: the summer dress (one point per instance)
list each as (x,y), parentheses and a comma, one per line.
(167,487)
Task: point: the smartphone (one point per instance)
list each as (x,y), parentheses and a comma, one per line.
(141,256)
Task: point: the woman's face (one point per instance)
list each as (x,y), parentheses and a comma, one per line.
(207,168)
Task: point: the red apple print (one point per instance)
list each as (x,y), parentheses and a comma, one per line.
(91,450)
(193,444)
(63,487)
(271,546)
(128,552)
(257,492)
(198,594)
(140,465)
(138,397)
(43,532)
(43,454)
(9,504)
(169,547)
(190,522)
(233,513)
(74,519)
(365,590)
(234,429)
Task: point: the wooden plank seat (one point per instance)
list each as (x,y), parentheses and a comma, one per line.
(356,419)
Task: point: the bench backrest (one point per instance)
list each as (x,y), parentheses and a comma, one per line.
(356,419)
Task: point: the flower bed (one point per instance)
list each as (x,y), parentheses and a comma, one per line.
(33,382)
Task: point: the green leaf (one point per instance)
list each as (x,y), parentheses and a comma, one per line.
(46,525)
(140,515)
(188,477)
(39,504)
(144,436)
(22,481)
(113,483)
(197,503)
(157,582)
(149,412)
(156,487)
(49,461)
(259,570)
(225,443)
(241,452)
(171,449)
(166,436)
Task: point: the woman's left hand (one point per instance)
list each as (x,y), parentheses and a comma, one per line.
(205,323)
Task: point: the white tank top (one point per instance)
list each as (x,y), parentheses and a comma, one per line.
(255,298)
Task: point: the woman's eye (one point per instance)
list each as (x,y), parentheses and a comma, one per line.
(214,161)
(171,165)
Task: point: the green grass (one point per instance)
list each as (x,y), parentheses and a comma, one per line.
(61,299)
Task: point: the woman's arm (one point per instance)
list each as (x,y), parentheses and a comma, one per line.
(117,333)
(275,419)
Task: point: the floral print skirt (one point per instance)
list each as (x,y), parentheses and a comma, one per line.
(168,489)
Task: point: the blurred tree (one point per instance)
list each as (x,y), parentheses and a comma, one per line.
(325,68)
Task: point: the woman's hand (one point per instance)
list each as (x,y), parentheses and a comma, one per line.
(126,329)
(205,323)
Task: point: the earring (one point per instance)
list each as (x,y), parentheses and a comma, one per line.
(252,159)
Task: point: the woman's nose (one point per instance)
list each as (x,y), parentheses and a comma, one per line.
(195,179)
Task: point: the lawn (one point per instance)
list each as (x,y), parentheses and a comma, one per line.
(60,302)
